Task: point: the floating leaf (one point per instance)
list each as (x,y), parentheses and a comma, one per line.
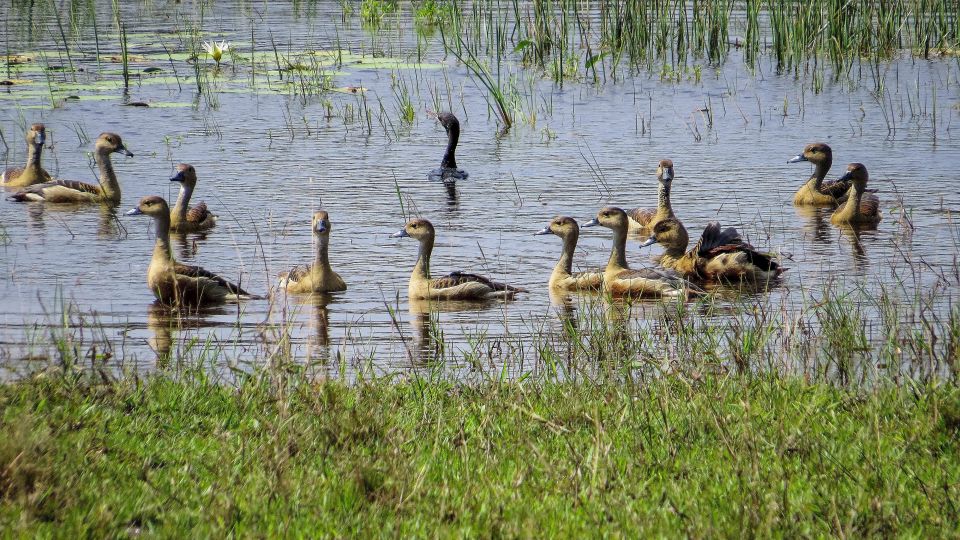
(523,44)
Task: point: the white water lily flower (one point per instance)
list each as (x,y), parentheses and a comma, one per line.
(216,50)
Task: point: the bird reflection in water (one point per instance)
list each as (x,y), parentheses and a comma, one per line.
(429,343)
(188,245)
(164,322)
(453,199)
(817,223)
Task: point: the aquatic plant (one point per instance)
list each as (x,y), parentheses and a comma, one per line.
(216,50)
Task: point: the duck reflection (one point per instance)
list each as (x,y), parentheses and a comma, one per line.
(429,342)
(164,322)
(453,198)
(188,245)
(857,237)
(817,222)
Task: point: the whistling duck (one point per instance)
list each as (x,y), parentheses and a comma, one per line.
(317,277)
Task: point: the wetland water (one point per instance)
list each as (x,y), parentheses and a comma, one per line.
(268,154)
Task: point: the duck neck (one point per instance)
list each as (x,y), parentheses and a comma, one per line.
(618,254)
(108,179)
(449,157)
(852,207)
(421,270)
(34,151)
(183,202)
(565,263)
(820,171)
(161,249)
(663,198)
(321,260)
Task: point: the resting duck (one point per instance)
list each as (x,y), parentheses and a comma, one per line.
(861,209)
(69,191)
(32,172)
(563,277)
(184,219)
(453,286)
(816,192)
(448,165)
(317,277)
(618,278)
(177,284)
(718,256)
(644,219)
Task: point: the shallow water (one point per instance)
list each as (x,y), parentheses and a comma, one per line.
(266,160)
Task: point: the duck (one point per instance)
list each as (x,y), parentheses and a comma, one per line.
(563,277)
(317,277)
(70,191)
(448,170)
(618,278)
(719,255)
(861,208)
(33,172)
(453,286)
(644,219)
(184,219)
(817,192)
(176,284)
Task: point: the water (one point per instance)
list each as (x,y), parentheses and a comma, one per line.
(266,160)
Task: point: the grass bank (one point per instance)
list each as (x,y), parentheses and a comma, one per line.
(277,453)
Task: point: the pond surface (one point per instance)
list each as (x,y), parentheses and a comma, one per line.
(268,156)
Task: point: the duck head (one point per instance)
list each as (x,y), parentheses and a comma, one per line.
(111,142)
(665,172)
(37,135)
(815,153)
(561,226)
(449,122)
(668,232)
(419,229)
(151,205)
(186,175)
(610,217)
(321,223)
(857,174)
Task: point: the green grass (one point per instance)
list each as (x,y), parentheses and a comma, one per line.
(279,454)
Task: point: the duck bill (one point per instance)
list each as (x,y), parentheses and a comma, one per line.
(123,150)
(320,227)
(797,159)
(649,242)
(402,233)
(846,177)
(134,212)
(667,175)
(40,138)
(177,177)
(545,230)
(592,223)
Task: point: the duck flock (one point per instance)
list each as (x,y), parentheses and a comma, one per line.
(719,256)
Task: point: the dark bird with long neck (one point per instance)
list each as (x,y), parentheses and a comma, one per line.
(448,165)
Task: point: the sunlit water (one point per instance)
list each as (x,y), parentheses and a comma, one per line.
(266,160)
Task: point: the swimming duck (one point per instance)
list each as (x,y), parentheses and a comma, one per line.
(861,209)
(183,218)
(817,192)
(177,284)
(719,255)
(618,278)
(448,165)
(317,277)
(563,277)
(69,191)
(32,172)
(644,219)
(453,286)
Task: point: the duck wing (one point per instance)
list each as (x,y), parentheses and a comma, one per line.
(11,174)
(199,213)
(199,273)
(869,205)
(713,237)
(57,191)
(457,278)
(297,273)
(643,216)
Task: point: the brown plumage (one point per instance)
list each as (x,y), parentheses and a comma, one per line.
(861,208)
(184,219)
(317,277)
(719,255)
(644,219)
(454,286)
(618,277)
(33,172)
(178,284)
(563,276)
(71,191)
